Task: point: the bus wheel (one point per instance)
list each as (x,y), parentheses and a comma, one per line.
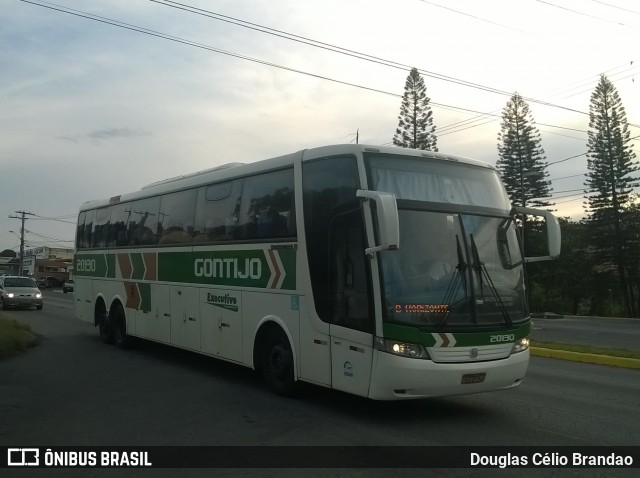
(277,363)
(104,326)
(120,337)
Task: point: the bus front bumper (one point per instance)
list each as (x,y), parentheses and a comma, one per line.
(397,378)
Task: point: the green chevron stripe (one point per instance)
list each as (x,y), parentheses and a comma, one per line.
(138,266)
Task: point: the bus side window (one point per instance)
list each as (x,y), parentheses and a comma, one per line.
(80,230)
(118,231)
(267,210)
(101,227)
(143,227)
(175,219)
(217,212)
(87,241)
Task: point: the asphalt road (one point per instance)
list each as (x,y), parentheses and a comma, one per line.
(73,390)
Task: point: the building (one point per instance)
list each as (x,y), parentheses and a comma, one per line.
(53,262)
(9,265)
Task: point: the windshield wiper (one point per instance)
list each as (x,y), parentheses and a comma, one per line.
(481,272)
(458,279)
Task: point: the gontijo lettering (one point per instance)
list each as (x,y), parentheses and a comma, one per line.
(228,268)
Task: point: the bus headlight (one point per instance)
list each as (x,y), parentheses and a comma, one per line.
(403,349)
(520,345)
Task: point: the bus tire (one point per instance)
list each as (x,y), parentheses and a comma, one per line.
(277,363)
(119,322)
(104,325)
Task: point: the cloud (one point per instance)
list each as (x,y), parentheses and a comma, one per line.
(113,133)
(105,134)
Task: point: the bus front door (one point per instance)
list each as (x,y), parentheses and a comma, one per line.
(351,319)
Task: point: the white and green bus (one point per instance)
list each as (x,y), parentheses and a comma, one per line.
(383,272)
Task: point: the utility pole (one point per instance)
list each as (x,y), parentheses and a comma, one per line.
(22,218)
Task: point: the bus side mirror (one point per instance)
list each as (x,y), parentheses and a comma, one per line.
(387,218)
(553,232)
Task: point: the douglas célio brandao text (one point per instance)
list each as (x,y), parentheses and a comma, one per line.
(574,459)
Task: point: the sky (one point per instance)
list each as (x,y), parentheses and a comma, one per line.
(146,90)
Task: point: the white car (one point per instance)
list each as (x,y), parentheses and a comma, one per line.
(19,292)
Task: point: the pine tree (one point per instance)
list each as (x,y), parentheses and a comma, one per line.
(415,122)
(521,159)
(610,178)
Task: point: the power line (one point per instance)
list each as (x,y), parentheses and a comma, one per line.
(468,123)
(563,135)
(289,36)
(590,89)
(577,198)
(567,177)
(569,191)
(157,34)
(591,80)
(584,14)
(346,51)
(322,45)
(615,6)
(55,218)
(469,126)
(475,17)
(48,238)
(567,159)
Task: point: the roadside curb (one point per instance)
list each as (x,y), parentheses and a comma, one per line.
(586,358)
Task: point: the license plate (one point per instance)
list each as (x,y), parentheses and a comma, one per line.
(473,378)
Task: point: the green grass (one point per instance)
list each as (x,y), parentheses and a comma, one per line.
(587,349)
(15,338)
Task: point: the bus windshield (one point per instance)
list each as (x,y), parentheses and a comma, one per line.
(457,270)
(459,264)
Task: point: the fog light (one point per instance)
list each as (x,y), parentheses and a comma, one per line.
(403,349)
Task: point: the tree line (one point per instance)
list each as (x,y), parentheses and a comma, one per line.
(598,272)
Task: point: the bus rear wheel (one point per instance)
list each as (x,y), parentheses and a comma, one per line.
(277,363)
(104,326)
(120,336)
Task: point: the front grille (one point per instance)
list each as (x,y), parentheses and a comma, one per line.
(470,354)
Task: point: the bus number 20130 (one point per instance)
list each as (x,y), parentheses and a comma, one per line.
(502,338)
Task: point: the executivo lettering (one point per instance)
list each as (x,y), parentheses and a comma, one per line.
(225,301)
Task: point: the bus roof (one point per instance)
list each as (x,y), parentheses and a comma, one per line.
(234,170)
